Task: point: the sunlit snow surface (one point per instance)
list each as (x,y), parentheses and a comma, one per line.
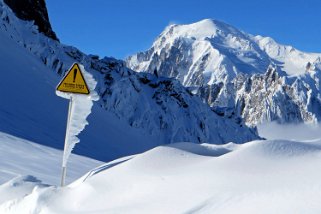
(273,176)
(20,157)
(296,132)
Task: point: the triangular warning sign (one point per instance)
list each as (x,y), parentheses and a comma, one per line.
(73,81)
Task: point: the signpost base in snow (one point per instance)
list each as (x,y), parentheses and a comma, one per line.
(63,176)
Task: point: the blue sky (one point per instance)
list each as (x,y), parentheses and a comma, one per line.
(119,28)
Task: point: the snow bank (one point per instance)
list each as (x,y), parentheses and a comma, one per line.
(18,187)
(257,177)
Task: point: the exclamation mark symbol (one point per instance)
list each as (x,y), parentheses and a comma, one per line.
(75,73)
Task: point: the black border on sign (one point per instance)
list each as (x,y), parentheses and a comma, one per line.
(75,64)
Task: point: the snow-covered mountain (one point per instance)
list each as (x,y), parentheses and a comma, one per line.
(33,10)
(191,53)
(237,73)
(136,111)
(291,60)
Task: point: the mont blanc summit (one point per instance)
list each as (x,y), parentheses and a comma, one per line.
(253,77)
(201,53)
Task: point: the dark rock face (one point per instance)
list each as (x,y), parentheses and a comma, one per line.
(35,10)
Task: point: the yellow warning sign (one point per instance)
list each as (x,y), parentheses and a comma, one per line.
(74,81)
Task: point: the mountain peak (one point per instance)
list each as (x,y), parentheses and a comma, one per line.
(236,71)
(202,53)
(205,28)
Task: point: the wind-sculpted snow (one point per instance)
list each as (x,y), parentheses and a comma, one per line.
(136,111)
(18,187)
(259,176)
(238,74)
(80,109)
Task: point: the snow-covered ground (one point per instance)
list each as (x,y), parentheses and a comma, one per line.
(19,157)
(272,176)
(296,132)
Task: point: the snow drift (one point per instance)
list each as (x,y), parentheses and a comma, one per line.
(260,176)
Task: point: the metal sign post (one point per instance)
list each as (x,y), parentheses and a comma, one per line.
(64,165)
(73,82)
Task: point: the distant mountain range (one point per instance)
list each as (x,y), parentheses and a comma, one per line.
(252,77)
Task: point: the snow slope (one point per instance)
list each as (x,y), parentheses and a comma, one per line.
(292,60)
(30,109)
(19,157)
(257,177)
